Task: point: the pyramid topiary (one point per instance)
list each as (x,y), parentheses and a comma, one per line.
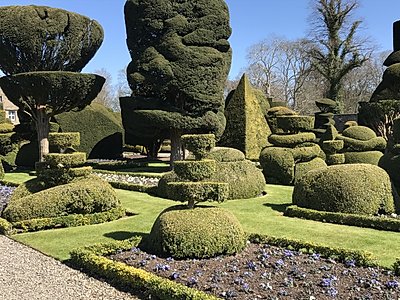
(246,128)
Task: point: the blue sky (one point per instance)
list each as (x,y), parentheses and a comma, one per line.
(251,21)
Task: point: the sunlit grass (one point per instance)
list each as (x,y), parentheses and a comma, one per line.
(259,215)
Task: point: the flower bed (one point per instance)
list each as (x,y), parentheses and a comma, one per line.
(262,271)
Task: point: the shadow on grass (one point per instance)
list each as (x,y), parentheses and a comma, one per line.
(278,207)
(123,235)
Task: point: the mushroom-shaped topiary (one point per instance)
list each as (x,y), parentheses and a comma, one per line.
(41,38)
(356,188)
(45,94)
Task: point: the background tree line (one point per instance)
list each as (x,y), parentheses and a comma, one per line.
(335,61)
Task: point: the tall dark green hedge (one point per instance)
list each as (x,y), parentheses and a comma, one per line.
(180,61)
(100,130)
(41,38)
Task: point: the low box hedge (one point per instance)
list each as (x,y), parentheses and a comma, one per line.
(133,187)
(73,220)
(116,165)
(144,174)
(91,259)
(381,223)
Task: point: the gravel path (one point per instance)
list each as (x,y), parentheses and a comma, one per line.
(28,274)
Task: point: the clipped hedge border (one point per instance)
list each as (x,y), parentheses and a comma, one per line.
(195,170)
(133,187)
(9,183)
(91,259)
(138,174)
(61,222)
(388,224)
(362,258)
(116,165)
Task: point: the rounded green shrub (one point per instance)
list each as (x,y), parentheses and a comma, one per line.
(198,144)
(303,167)
(1,171)
(201,232)
(295,123)
(273,113)
(64,160)
(361,133)
(225,154)
(376,143)
(6,128)
(195,170)
(86,196)
(305,152)
(57,176)
(64,140)
(291,140)
(366,157)
(198,191)
(278,165)
(332,146)
(357,189)
(335,159)
(244,179)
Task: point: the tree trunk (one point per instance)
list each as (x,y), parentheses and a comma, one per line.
(176,146)
(42,128)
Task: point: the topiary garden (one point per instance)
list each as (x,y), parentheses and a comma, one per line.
(193,250)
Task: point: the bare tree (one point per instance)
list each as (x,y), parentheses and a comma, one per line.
(360,83)
(279,67)
(338,49)
(107,95)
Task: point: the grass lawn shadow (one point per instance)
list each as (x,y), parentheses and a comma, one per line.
(123,235)
(278,207)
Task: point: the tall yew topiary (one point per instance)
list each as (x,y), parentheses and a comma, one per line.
(180,61)
(246,128)
(41,48)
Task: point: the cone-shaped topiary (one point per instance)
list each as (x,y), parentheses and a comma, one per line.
(246,127)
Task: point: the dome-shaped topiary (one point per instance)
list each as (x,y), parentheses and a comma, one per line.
(361,133)
(85,196)
(356,188)
(195,233)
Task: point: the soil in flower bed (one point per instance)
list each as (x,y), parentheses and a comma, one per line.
(266,272)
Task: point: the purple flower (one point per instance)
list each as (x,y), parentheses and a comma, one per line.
(332,292)
(135,250)
(315,256)
(392,284)
(279,263)
(143,262)
(350,263)
(288,253)
(252,265)
(246,287)
(192,281)
(174,275)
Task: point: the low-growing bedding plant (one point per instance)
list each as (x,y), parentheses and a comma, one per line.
(263,270)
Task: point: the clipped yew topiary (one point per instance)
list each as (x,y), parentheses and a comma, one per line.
(100,130)
(356,189)
(86,196)
(361,145)
(41,56)
(246,127)
(180,61)
(192,231)
(201,232)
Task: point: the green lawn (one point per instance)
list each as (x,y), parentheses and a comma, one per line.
(259,215)
(18,177)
